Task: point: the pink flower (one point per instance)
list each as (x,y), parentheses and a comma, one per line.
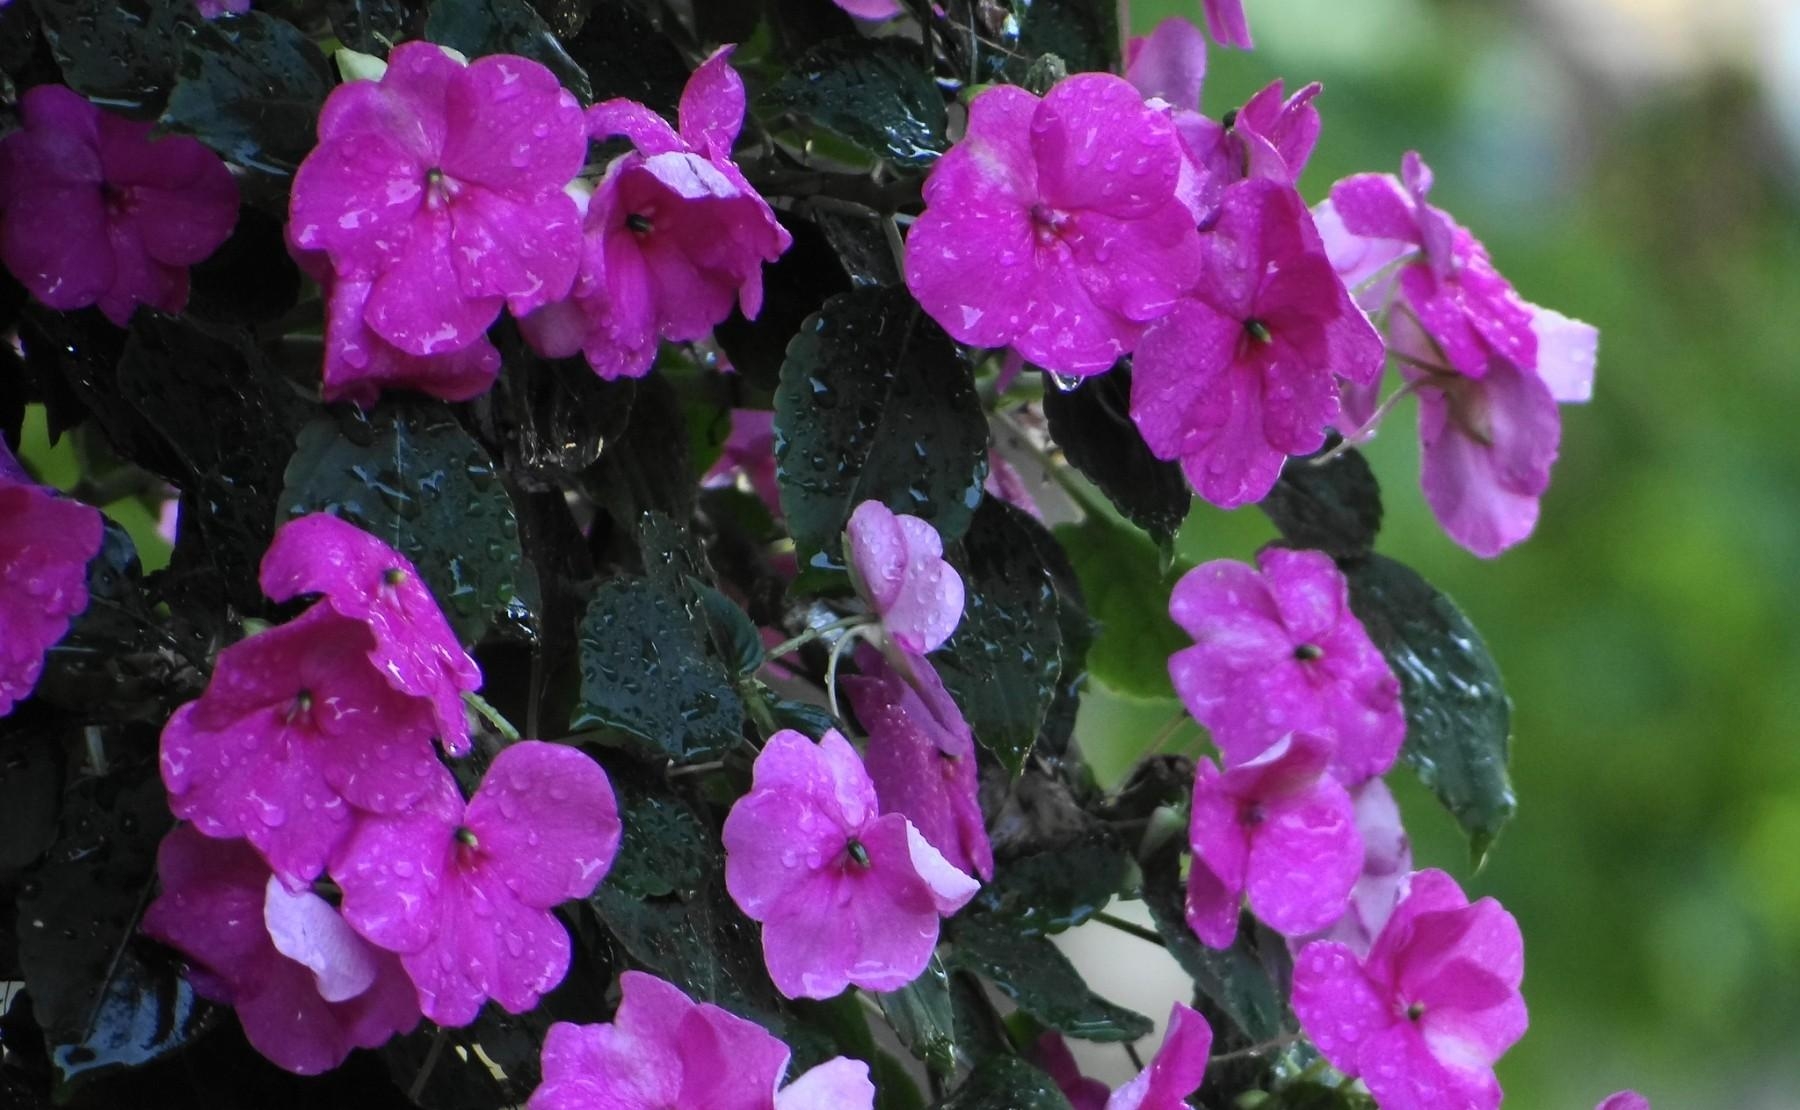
(306,988)
(1054,226)
(1270,138)
(1424,1017)
(1279,829)
(1225,20)
(845,895)
(1462,302)
(1281,650)
(675,234)
(1624,1100)
(360,365)
(93,211)
(1387,861)
(441,185)
(45,544)
(749,453)
(664,1051)
(1174,1073)
(1169,63)
(1051,1054)
(1244,372)
(297,727)
(368,581)
(463,892)
(922,757)
(1005,482)
(870,9)
(213,9)
(897,562)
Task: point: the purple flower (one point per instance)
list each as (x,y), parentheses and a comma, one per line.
(368,581)
(1244,372)
(306,988)
(1176,1069)
(1281,650)
(1005,482)
(897,562)
(1387,861)
(1055,226)
(442,186)
(93,211)
(1462,302)
(1051,1054)
(870,9)
(1424,1017)
(1279,829)
(1169,63)
(45,544)
(1270,138)
(297,727)
(1624,1100)
(1225,20)
(846,895)
(922,757)
(675,234)
(664,1051)
(213,9)
(749,453)
(360,365)
(464,892)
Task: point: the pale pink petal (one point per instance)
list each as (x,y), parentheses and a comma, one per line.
(1567,350)
(1170,63)
(837,1084)
(305,929)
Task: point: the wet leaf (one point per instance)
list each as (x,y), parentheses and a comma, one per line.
(1048,891)
(31,780)
(1335,507)
(1005,1083)
(876,404)
(122,55)
(624,54)
(1458,717)
(1034,973)
(666,850)
(923,1018)
(872,92)
(407,473)
(369,26)
(1092,424)
(1083,33)
(1128,594)
(1242,994)
(482,27)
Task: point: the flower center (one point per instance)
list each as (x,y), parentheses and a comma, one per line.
(119,199)
(1258,330)
(466,837)
(1415,1011)
(439,189)
(1049,223)
(639,224)
(1468,406)
(858,853)
(302,705)
(1252,815)
(393,576)
(1306,653)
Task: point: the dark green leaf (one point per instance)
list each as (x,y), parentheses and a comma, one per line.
(1315,1096)
(148,1011)
(251,279)
(1458,718)
(1237,984)
(1335,507)
(666,850)
(871,92)
(1003,663)
(1092,424)
(794,287)
(735,637)
(923,1018)
(1055,889)
(121,54)
(369,26)
(1128,594)
(894,1086)
(1006,1083)
(250,87)
(550,418)
(1034,973)
(646,466)
(875,403)
(481,27)
(625,54)
(409,474)
(814,720)
(31,779)
(1083,33)
(646,670)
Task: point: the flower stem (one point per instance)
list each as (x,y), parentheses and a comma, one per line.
(491,715)
(788,647)
(1130,927)
(1369,427)
(1272,1045)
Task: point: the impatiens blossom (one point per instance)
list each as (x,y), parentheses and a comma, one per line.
(1173,1074)
(846,894)
(364,579)
(1624,1100)
(1051,1054)
(1243,373)
(749,454)
(675,234)
(897,562)
(441,185)
(464,892)
(1226,21)
(95,211)
(921,757)
(1270,138)
(295,729)
(1424,1017)
(1387,861)
(360,365)
(1169,63)
(664,1051)
(306,988)
(1278,829)
(45,544)
(1278,649)
(871,10)
(1054,226)
(213,9)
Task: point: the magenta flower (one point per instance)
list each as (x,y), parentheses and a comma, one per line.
(1624,1100)
(1281,650)
(1462,302)
(360,365)
(1005,482)
(1052,1056)
(846,895)
(1278,829)
(213,9)
(664,1051)
(1176,1069)
(897,563)
(45,544)
(94,211)
(442,186)
(295,729)
(1387,861)
(1270,138)
(463,892)
(675,234)
(1169,63)
(306,988)
(1243,372)
(749,455)
(871,10)
(1054,226)
(1227,24)
(366,580)
(1423,1019)
(921,757)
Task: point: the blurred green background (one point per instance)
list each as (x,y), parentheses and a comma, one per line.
(1626,162)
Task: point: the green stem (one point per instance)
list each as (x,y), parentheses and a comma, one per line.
(491,715)
(788,647)
(1130,927)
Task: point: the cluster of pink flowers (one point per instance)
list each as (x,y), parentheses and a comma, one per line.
(45,544)
(308,769)
(131,213)
(447,190)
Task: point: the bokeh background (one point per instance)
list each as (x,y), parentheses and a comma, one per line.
(1634,163)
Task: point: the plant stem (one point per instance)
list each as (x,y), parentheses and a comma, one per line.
(1272,1045)
(491,715)
(788,647)
(1130,927)
(696,769)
